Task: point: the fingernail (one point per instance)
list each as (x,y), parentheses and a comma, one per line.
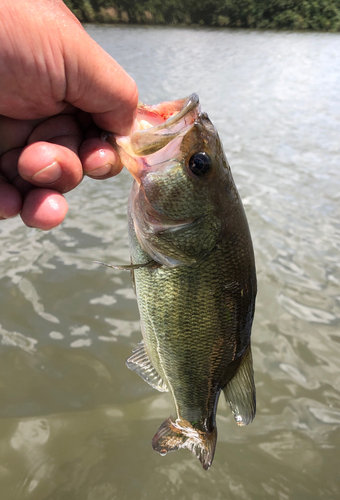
(99,172)
(49,174)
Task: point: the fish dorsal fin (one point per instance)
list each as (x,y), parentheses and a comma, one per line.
(240,391)
(140,363)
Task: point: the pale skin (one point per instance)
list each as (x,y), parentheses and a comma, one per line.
(58,89)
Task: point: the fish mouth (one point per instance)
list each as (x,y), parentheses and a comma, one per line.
(152,139)
(156,127)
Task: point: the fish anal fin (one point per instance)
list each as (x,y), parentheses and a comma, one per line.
(140,363)
(172,436)
(240,391)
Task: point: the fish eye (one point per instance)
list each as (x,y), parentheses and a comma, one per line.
(200,164)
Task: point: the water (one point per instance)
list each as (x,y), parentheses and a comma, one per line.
(76,424)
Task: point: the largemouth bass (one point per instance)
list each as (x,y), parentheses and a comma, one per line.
(193,271)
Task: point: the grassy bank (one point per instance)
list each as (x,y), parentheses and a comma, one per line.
(319,15)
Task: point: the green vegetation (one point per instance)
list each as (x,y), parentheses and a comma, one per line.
(322,15)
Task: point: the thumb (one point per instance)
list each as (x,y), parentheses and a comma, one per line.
(97,84)
(47,60)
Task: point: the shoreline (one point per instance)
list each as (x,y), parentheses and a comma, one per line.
(207,27)
(318,16)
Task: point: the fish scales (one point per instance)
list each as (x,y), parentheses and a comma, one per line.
(193,269)
(197,316)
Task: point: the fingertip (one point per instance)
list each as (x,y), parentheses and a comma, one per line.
(10,201)
(44,209)
(120,118)
(52,165)
(99,159)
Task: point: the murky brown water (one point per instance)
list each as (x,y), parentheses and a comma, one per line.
(76,424)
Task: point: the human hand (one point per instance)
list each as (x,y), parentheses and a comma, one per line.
(58,88)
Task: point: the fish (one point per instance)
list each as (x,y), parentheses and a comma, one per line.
(193,271)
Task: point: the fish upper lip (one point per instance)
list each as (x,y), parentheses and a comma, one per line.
(190,103)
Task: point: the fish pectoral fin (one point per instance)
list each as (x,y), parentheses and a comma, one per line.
(140,363)
(240,391)
(131,267)
(172,436)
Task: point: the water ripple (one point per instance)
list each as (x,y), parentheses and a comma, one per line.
(306,313)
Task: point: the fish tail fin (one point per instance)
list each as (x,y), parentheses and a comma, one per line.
(172,436)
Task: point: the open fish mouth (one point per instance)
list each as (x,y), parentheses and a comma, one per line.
(155,137)
(156,129)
